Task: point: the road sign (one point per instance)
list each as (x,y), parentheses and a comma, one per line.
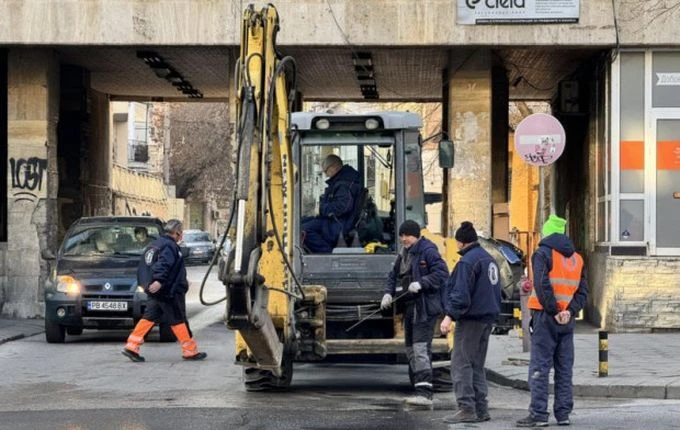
(540,139)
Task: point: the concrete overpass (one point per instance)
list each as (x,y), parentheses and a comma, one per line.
(63,61)
(410,43)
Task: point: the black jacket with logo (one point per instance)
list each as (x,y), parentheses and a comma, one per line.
(162,261)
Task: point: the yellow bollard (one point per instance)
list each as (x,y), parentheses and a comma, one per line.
(604,352)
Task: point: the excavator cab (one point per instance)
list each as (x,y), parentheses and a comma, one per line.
(385,148)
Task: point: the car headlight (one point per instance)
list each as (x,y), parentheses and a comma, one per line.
(68,284)
(139,289)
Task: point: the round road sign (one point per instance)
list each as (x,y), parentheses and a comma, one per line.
(540,139)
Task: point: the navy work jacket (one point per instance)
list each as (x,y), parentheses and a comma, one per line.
(473,291)
(162,261)
(429,269)
(338,201)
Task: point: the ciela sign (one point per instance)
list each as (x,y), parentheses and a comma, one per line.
(473,12)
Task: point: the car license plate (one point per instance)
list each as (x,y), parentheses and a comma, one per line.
(107,306)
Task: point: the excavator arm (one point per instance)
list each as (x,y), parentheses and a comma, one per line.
(260,294)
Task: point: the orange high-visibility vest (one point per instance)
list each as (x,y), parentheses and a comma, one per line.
(565,277)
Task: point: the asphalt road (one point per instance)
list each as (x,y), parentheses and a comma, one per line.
(87,384)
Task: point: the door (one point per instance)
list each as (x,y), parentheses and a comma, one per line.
(666,184)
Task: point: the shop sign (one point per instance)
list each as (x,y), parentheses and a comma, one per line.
(668,79)
(473,12)
(540,139)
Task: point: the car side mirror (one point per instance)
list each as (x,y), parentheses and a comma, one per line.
(446,154)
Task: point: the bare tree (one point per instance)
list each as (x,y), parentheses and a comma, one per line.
(647,12)
(201,151)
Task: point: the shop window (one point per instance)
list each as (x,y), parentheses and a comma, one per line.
(666,79)
(631,221)
(645,155)
(632,130)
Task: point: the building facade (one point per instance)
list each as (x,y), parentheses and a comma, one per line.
(609,70)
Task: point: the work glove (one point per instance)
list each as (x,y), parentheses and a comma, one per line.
(386,302)
(414,287)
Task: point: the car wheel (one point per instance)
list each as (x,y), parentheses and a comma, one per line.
(54,333)
(74,331)
(165,333)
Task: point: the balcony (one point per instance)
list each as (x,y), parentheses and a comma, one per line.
(138,151)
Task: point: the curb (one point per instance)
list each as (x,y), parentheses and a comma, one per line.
(503,380)
(601,391)
(26,333)
(623,391)
(12,338)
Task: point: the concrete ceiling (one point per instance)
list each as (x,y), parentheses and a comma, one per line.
(324,73)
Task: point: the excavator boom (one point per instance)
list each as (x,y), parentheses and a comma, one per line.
(256,276)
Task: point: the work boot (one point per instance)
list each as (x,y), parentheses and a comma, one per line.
(462,416)
(530,421)
(418,400)
(132,355)
(483,416)
(196,357)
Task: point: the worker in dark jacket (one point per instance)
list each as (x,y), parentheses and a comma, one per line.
(162,274)
(336,207)
(418,272)
(473,300)
(560,292)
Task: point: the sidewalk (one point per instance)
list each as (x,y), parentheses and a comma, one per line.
(641,365)
(14,329)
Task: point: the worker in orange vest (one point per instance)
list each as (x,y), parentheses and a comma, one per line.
(560,292)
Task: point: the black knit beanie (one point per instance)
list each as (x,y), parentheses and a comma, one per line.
(409,227)
(466,233)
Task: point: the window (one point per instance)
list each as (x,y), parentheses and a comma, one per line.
(376,173)
(414,184)
(108,240)
(644,199)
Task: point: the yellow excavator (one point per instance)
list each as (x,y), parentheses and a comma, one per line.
(288,304)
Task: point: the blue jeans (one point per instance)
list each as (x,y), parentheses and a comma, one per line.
(318,235)
(552,345)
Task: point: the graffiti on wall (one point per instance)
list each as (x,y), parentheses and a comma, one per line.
(27,178)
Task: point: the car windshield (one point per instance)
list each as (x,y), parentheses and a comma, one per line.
(110,239)
(196,237)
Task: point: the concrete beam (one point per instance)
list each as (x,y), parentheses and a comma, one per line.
(316,23)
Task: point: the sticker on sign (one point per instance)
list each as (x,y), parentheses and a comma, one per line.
(540,139)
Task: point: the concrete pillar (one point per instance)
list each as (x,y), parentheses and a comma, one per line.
(98,194)
(33,110)
(499,135)
(469,117)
